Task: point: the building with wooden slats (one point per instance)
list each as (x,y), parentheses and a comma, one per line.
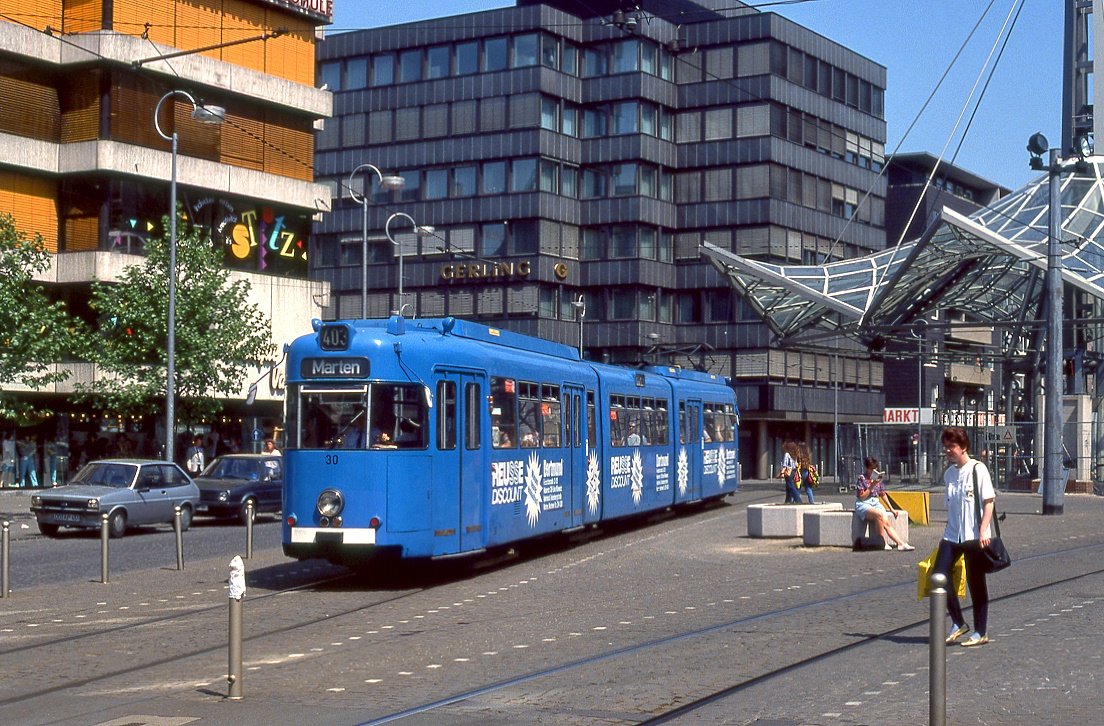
(82,163)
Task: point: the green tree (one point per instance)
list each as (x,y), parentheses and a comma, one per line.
(35,332)
(220,336)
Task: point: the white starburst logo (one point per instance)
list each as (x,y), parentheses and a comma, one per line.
(683,471)
(593,483)
(533,489)
(637,477)
(721,468)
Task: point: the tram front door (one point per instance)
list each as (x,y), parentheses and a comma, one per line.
(458,508)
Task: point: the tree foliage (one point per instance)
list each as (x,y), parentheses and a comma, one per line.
(221,338)
(35,332)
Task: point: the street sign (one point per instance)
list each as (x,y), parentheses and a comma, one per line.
(1002,435)
(257,434)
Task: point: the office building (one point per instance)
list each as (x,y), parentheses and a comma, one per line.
(572,157)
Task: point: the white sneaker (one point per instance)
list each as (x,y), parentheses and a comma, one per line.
(905,547)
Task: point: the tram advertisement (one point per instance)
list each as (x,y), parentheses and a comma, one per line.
(537,483)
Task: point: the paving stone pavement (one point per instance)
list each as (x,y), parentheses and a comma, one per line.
(1044,664)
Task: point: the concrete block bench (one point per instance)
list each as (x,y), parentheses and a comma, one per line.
(842,528)
(782,520)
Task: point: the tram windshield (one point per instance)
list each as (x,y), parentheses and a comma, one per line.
(377,416)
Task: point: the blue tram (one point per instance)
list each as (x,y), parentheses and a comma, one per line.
(436,437)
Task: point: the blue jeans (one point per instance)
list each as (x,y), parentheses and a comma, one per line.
(793,496)
(975,580)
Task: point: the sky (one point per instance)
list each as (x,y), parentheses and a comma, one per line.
(916,40)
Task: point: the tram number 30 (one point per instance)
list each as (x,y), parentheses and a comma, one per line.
(331,459)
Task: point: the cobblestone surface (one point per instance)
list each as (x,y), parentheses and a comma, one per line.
(724,609)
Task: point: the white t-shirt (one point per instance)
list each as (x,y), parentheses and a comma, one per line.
(962,523)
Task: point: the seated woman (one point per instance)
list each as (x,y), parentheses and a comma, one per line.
(867,504)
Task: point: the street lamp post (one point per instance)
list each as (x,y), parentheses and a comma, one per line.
(387,183)
(421,231)
(580,313)
(203,114)
(918,332)
(1051,480)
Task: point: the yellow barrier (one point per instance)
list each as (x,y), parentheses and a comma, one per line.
(917,504)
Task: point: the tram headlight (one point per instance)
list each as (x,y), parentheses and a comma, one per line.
(330,503)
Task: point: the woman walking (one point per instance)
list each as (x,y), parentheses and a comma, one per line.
(964,535)
(789,471)
(805,472)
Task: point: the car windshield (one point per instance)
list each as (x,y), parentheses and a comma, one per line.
(118,476)
(223,468)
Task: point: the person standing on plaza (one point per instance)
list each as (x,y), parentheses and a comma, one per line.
(964,535)
(789,471)
(196,458)
(868,505)
(805,472)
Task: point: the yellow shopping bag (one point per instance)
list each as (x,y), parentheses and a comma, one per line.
(925,566)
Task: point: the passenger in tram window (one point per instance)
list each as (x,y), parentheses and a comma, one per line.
(634,438)
(528,440)
(504,441)
(383,441)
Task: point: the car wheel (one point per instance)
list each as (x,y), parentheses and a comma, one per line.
(50,530)
(117,523)
(185,517)
(244,514)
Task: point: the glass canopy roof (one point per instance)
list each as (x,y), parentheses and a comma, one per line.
(990,265)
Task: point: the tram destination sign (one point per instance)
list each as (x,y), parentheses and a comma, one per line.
(334,368)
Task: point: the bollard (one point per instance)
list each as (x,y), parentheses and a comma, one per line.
(249,529)
(179,539)
(104,535)
(236,593)
(5,562)
(937,652)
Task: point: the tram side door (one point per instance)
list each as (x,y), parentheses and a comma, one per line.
(575,448)
(690,438)
(458,510)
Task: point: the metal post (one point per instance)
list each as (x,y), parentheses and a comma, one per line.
(5,563)
(177,528)
(249,529)
(1052,429)
(234,649)
(170,345)
(364,255)
(104,536)
(937,652)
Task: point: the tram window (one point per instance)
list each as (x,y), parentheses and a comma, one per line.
(446,415)
(682,422)
(619,420)
(331,419)
(503,413)
(592,434)
(730,422)
(661,425)
(399,415)
(473,413)
(529,402)
(710,425)
(550,415)
(578,421)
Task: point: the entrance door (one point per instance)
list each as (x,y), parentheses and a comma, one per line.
(690,446)
(460,466)
(575,447)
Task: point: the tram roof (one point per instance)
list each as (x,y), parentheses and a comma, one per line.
(990,265)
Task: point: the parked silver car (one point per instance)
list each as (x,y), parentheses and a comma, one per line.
(130,491)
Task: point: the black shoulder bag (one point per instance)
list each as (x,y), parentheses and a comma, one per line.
(995,554)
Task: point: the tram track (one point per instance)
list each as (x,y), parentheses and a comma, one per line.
(737,688)
(111,634)
(176,656)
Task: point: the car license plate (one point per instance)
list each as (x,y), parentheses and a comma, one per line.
(67,517)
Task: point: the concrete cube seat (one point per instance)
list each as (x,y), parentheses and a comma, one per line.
(863,528)
(842,528)
(782,520)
